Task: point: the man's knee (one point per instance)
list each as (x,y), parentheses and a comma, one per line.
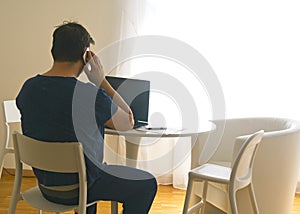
(152,184)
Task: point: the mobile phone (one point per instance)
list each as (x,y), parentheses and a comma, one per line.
(85,55)
(156,128)
(86,59)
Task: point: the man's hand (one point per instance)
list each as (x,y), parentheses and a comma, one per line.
(123,118)
(93,69)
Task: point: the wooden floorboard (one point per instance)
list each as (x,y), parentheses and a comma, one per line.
(167,201)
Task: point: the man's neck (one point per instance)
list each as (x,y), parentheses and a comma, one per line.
(65,69)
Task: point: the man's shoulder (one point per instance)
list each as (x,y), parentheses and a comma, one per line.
(51,79)
(34,78)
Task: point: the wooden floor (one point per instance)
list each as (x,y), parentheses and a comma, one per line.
(167,201)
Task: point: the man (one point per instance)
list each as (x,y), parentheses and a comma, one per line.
(55,106)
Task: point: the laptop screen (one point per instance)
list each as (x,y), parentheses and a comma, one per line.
(135,92)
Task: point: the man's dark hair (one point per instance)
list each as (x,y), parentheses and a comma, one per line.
(69,41)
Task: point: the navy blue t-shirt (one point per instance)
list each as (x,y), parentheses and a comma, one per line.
(58,109)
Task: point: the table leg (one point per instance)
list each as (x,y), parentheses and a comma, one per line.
(132,148)
(198,146)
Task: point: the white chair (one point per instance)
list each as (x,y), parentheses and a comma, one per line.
(237,177)
(276,166)
(12,115)
(69,158)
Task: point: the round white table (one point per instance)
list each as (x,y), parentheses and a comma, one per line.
(133,137)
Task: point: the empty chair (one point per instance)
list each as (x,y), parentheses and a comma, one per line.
(69,158)
(12,115)
(237,177)
(279,147)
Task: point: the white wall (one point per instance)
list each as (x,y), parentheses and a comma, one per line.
(253,47)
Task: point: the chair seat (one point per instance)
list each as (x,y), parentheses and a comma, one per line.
(212,172)
(236,177)
(34,197)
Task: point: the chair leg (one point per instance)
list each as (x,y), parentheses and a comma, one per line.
(4,148)
(188,196)
(1,165)
(197,206)
(114,207)
(253,200)
(13,203)
(2,154)
(204,194)
(16,196)
(232,199)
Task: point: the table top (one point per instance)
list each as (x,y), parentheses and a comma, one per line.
(169,132)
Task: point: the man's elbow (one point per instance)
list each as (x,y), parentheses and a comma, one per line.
(131,120)
(126,124)
(121,121)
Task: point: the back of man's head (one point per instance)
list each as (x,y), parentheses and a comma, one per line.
(69,42)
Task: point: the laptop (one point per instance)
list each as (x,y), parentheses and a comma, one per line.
(135,93)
